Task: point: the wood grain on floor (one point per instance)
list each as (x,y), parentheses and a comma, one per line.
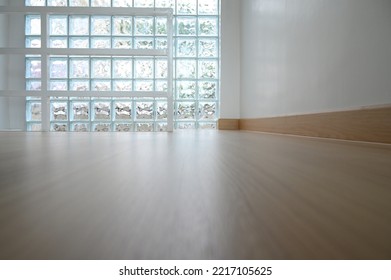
(193,195)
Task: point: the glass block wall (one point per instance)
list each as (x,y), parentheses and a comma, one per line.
(196,67)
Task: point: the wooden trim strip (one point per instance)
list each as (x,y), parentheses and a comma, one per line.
(369,125)
(228,124)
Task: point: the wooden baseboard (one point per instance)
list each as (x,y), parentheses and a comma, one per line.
(228,124)
(369,124)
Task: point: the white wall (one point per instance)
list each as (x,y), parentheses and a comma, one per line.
(305,56)
(230,59)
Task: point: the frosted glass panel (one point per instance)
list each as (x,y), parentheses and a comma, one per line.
(186,48)
(186,69)
(208,48)
(80,68)
(101,85)
(101,68)
(143,26)
(207,90)
(33,68)
(208,7)
(186,26)
(80,110)
(207,26)
(207,111)
(100,3)
(123,110)
(58,25)
(144,127)
(186,89)
(143,3)
(59,111)
(122,68)
(100,25)
(102,111)
(122,26)
(186,7)
(79,25)
(144,69)
(208,69)
(33,25)
(144,110)
(58,68)
(186,110)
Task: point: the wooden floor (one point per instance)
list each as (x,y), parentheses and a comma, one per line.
(193,195)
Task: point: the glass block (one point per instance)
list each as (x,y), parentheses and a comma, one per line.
(79,3)
(101,85)
(34,111)
(33,68)
(186,48)
(100,43)
(185,125)
(79,85)
(144,68)
(102,127)
(100,25)
(122,26)
(79,42)
(161,85)
(208,7)
(79,68)
(60,85)
(161,69)
(80,127)
(186,7)
(101,68)
(122,3)
(35,127)
(58,25)
(144,3)
(208,69)
(161,110)
(207,90)
(186,26)
(207,110)
(123,110)
(122,68)
(144,110)
(79,25)
(102,110)
(59,127)
(33,98)
(144,127)
(57,3)
(100,3)
(123,86)
(207,126)
(144,26)
(144,43)
(161,26)
(35,2)
(123,127)
(58,68)
(33,25)
(165,4)
(186,89)
(122,43)
(144,86)
(33,42)
(59,111)
(185,110)
(161,127)
(161,44)
(33,85)
(186,69)
(208,26)
(208,48)
(80,111)
(58,42)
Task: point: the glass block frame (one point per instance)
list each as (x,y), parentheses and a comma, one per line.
(196,59)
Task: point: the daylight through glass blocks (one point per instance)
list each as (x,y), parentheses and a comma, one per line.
(196,67)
